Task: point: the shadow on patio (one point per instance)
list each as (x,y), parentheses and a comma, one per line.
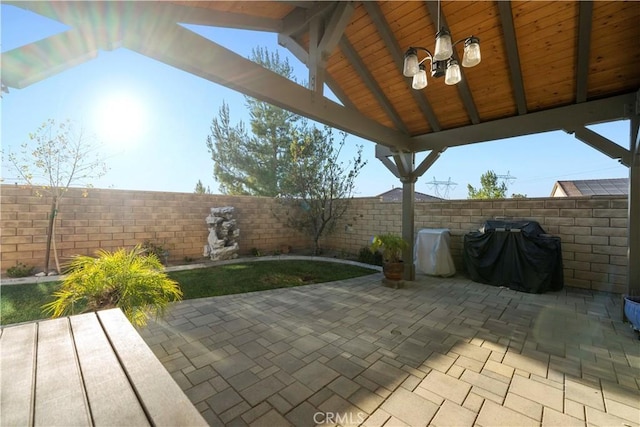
(440,351)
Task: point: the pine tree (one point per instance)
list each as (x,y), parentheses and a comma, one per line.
(255,162)
(200,188)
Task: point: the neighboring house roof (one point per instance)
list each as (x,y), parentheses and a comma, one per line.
(591,187)
(395,195)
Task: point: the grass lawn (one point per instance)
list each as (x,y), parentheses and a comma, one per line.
(22,303)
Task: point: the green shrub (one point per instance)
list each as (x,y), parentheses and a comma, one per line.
(256,252)
(148,247)
(20,270)
(366,256)
(131,280)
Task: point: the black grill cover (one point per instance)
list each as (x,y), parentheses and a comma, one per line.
(515,254)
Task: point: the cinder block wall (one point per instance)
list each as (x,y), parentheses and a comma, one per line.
(593,230)
(110,219)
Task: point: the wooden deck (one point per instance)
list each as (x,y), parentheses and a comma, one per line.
(89,369)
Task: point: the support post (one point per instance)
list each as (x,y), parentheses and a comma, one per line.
(633,254)
(405,169)
(408,224)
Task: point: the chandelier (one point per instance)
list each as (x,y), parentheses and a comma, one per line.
(442,61)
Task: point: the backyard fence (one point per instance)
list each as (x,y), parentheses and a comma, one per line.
(593,230)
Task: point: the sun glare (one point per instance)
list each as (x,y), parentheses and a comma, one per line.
(120,119)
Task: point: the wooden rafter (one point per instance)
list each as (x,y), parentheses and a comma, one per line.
(511,45)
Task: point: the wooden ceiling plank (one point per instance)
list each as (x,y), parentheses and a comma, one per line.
(371,83)
(539,12)
(394,49)
(513,57)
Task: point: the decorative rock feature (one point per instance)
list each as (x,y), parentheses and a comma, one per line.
(222,241)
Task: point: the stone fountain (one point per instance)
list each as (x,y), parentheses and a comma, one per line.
(223,234)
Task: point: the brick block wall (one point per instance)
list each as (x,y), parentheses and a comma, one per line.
(593,230)
(110,219)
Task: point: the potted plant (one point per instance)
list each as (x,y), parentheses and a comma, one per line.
(392,247)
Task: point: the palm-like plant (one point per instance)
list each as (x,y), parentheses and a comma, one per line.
(130,280)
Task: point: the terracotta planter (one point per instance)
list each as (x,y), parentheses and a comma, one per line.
(393,270)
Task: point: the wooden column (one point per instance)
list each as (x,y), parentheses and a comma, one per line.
(633,254)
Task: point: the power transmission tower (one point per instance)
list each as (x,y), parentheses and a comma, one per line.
(508,179)
(441,188)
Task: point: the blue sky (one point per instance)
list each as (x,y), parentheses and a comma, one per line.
(164,147)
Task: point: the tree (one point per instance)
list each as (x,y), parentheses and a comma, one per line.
(200,188)
(318,186)
(253,163)
(490,188)
(56,157)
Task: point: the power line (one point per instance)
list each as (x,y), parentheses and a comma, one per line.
(567,174)
(508,179)
(441,188)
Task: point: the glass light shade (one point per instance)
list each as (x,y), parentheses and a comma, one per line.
(411,65)
(453,75)
(444,49)
(420,79)
(471,56)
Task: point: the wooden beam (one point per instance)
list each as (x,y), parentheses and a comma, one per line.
(394,49)
(603,145)
(334,29)
(408,226)
(37,61)
(316,63)
(428,162)
(297,21)
(324,34)
(562,118)
(404,163)
(165,41)
(633,254)
(371,83)
(303,56)
(192,14)
(584,46)
(513,56)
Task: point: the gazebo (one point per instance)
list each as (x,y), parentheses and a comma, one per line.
(552,65)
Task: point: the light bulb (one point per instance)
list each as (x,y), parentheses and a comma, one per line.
(471,56)
(453,75)
(420,79)
(444,50)
(411,65)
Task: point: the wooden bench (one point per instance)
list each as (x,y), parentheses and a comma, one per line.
(89,369)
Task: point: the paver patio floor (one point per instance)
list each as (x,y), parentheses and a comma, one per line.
(438,352)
